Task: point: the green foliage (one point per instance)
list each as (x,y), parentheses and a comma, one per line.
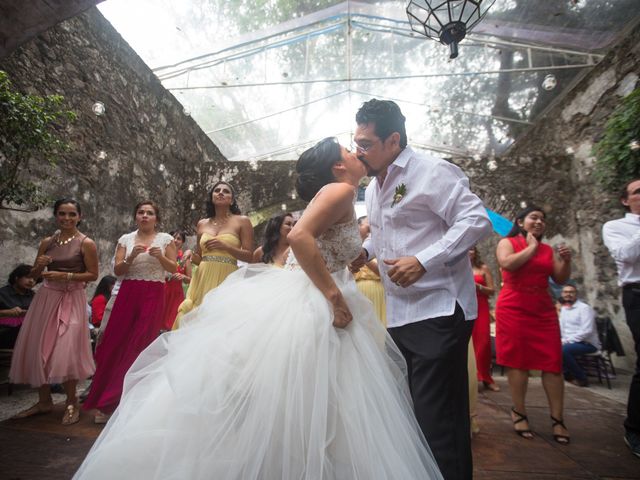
(616,162)
(30,129)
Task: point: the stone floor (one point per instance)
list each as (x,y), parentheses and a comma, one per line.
(39,447)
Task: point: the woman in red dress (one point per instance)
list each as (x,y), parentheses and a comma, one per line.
(481,334)
(527,328)
(173,291)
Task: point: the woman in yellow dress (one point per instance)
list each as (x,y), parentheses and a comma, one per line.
(224,237)
(368,278)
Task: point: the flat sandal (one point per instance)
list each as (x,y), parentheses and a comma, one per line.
(37,409)
(71,415)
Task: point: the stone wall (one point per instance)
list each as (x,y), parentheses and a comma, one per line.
(552,166)
(144,146)
(21,20)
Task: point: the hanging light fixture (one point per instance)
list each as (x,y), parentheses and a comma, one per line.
(446,21)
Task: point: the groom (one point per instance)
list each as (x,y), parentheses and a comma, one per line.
(424,219)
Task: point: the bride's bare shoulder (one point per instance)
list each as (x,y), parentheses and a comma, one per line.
(337,191)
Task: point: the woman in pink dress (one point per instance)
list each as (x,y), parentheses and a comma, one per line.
(527,327)
(53,345)
(173,291)
(142,258)
(481,334)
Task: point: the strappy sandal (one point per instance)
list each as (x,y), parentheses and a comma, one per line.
(37,409)
(561,439)
(526,434)
(71,415)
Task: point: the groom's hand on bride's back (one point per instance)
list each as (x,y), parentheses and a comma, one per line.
(405,271)
(359,262)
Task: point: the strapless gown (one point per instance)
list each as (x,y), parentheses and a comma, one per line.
(215,267)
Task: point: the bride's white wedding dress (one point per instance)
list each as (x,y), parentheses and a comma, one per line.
(258,384)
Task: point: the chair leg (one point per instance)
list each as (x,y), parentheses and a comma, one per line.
(613,369)
(599,369)
(606,372)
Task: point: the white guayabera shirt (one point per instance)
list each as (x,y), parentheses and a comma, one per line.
(437,220)
(622,238)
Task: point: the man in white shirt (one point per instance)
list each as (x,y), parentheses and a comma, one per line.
(424,219)
(622,238)
(579,334)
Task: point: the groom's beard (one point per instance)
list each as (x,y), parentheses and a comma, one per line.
(371,172)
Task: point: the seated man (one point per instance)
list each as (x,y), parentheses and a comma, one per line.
(579,334)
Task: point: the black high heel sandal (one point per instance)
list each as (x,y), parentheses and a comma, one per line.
(526,434)
(561,439)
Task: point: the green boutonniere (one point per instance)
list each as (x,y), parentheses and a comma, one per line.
(401,191)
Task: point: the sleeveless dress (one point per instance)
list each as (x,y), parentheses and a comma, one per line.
(135,321)
(371,287)
(527,327)
(173,295)
(53,345)
(215,267)
(258,384)
(481,335)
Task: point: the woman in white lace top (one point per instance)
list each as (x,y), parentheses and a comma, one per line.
(142,258)
(280,373)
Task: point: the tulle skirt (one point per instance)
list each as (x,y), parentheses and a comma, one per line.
(258,384)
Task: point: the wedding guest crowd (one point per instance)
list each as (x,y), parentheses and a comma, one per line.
(368,277)
(579,334)
(622,238)
(100,299)
(527,329)
(173,290)
(142,258)
(424,295)
(275,245)
(223,237)
(481,334)
(15,298)
(53,345)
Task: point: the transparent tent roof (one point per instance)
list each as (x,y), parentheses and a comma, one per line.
(266,79)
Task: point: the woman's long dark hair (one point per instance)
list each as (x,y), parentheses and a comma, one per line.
(104,287)
(477,259)
(314,167)
(210,206)
(271,236)
(517,229)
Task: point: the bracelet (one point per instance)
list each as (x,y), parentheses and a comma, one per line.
(69,276)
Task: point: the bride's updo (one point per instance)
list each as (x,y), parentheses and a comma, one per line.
(314,167)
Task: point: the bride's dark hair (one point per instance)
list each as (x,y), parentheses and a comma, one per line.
(314,167)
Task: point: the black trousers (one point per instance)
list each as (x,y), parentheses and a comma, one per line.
(631,304)
(436,355)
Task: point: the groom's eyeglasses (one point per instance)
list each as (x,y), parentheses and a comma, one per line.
(358,148)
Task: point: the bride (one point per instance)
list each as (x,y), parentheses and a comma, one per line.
(280,373)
